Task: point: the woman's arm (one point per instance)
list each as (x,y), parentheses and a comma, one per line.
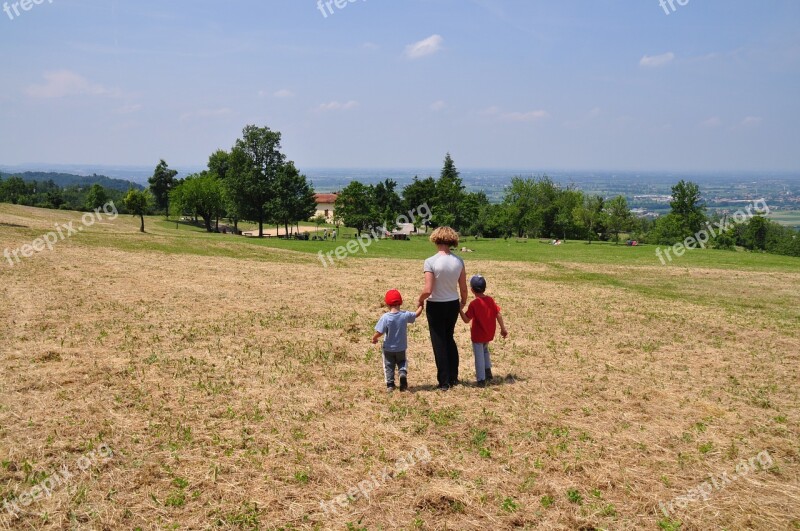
(430,279)
(462,284)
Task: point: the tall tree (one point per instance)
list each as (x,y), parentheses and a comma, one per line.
(688,208)
(388,202)
(619,216)
(419,193)
(201,195)
(590,215)
(96,197)
(161,183)
(13,190)
(254,164)
(294,197)
(138,203)
(355,207)
(565,204)
(449,195)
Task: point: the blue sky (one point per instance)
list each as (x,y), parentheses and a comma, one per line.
(563,84)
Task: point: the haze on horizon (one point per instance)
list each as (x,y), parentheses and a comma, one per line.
(623,85)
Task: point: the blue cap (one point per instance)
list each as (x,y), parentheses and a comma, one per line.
(478,283)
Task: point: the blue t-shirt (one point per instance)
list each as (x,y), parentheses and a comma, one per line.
(395,328)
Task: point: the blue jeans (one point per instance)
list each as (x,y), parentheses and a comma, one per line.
(392,360)
(482,360)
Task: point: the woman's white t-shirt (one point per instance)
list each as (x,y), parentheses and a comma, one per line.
(446,269)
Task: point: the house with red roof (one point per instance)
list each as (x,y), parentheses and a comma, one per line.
(325,205)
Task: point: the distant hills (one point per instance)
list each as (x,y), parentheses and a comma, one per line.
(66,180)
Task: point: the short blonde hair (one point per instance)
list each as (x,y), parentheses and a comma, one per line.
(445,236)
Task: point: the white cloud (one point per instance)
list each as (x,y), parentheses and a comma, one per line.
(437,105)
(653,61)
(424,47)
(532,116)
(712,122)
(337,106)
(594,113)
(284,93)
(62,83)
(751,121)
(207,113)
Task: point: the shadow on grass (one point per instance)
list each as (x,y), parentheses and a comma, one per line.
(509,379)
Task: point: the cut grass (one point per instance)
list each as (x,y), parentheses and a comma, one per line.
(235,382)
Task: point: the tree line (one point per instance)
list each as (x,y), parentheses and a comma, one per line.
(540,208)
(48,194)
(531,207)
(252,181)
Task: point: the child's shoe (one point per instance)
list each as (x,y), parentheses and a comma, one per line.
(481,383)
(403,383)
(390,387)
(488,374)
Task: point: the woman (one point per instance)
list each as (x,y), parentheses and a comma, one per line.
(445,277)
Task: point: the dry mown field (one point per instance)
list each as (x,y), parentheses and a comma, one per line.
(242,392)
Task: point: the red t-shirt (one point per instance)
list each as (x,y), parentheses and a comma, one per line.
(483,312)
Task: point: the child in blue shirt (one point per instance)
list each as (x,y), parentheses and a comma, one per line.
(394,325)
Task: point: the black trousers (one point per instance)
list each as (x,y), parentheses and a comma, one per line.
(442,318)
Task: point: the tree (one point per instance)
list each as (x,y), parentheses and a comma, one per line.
(387,202)
(449,195)
(688,208)
(55,198)
(474,209)
(161,183)
(254,164)
(590,215)
(755,234)
(294,198)
(221,164)
(355,207)
(419,193)
(97,197)
(667,230)
(138,203)
(200,194)
(619,216)
(566,202)
(13,190)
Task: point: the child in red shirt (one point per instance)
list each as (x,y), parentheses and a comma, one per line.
(483,313)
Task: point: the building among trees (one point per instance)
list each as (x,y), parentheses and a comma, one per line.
(325,205)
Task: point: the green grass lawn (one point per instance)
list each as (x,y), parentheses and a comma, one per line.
(194,240)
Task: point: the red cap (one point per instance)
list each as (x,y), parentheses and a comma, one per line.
(393,298)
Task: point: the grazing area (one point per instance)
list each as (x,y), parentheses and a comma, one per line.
(183,380)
